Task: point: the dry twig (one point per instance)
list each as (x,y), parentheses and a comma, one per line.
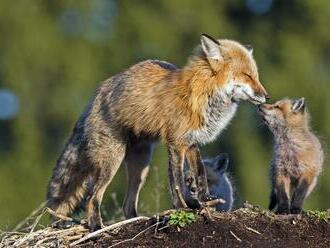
(108,228)
(234,235)
(252,230)
(34,212)
(59,216)
(212,203)
(137,235)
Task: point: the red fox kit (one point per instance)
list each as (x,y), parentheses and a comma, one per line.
(149,101)
(298,155)
(218,182)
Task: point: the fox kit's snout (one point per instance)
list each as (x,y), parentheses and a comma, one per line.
(298,155)
(283,113)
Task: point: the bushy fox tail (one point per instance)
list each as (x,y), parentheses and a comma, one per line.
(66,188)
(273,200)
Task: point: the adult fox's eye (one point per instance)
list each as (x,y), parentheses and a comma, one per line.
(248,75)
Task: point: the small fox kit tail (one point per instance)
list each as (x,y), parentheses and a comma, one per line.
(66,188)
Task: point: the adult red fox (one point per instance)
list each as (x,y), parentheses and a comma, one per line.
(149,101)
(298,154)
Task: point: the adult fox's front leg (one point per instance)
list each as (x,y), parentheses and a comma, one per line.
(195,162)
(175,172)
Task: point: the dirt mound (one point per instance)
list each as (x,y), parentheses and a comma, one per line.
(241,228)
(238,229)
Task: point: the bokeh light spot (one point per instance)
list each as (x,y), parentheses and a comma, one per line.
(71,22)
(9,104)
(259,6)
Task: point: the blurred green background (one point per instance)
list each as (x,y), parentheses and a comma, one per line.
(53,54)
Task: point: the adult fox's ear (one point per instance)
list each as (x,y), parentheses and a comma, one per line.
(211,49)
(298,105)
(222,162)
(249,48)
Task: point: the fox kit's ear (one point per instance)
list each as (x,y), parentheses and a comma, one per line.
(298,105)
(249,48)
(211,48)
(222,162)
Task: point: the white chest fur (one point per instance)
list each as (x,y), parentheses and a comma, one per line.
(217,115)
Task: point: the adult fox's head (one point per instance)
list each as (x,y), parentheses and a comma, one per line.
(235,68)
(284,114)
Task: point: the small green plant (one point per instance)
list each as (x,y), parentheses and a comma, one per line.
(320,215)
(181,218)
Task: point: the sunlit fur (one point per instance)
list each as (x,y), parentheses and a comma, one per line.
(298,155)
(149,101)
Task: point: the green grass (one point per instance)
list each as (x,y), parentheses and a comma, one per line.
(320,215)
(181,218)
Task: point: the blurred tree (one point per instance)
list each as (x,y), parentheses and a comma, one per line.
(53,54)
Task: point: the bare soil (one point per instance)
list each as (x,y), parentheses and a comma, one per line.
(241,228)
(246,227)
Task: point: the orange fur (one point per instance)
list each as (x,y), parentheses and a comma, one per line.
(154,100)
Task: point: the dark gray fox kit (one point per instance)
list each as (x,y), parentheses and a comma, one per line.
(298,155)
(217,179)
(153,100)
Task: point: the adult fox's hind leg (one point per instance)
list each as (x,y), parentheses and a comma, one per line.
(137,161)
(106,159)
